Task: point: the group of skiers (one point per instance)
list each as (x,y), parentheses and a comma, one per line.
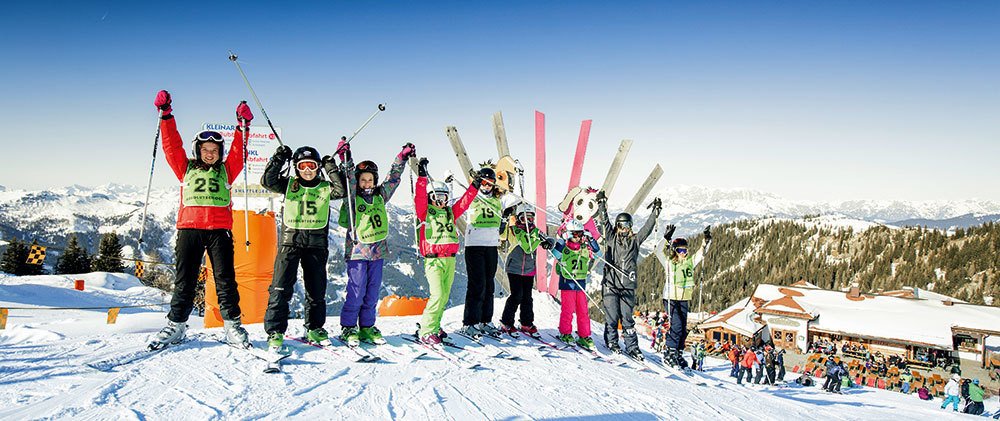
(757,365)
(310,182)
(968,392)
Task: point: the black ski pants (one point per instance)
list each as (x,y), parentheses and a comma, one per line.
(520,296)
(678,323)
(618,306)
(481,266)
(286,268)
(191,246)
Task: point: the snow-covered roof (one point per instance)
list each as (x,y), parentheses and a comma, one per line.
(919,321)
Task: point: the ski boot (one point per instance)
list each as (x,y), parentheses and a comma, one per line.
(371,335)
(432,340)
(471,331)
(636,354)
(236,335)
(568,338)
(530,330)
(318,335)
(276,343)
(669,357)
(614,348)
(172,333)
(349,334)
(585,343)
(488,329)
(509,330)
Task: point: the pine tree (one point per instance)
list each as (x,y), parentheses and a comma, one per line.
(109,256)
(11,260)
(74,260)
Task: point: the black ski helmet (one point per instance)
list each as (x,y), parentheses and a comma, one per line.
(623,218)
(366,166)
(679,242)
(206,136)
(487,173)
(305,153)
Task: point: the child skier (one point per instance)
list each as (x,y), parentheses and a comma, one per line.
(204,221)
(521,271)
(368,226)
(482,237)
(574,257)
(438,244)
(677,293)
(619,282)
(304,238)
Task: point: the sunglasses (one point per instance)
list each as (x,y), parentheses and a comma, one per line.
(681,250)
(207,135)
(307,165)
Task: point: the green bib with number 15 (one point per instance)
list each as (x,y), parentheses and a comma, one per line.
(306,208)
(206,187)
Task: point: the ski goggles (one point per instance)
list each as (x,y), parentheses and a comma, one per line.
(624,224)
(439,197)
(527,218)
(307,165)
(208,135)
(576,233)
(681,250)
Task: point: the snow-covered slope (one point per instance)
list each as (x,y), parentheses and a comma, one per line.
(44,376)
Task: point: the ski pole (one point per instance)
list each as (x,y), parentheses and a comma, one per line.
(149,184)
(246,192)
(232,58)
(381,107)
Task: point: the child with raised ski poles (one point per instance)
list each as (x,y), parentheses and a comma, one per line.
(438,244)
(204,221)
(304,238)
(574,258)
(521,271)
(364,215)
(678,289)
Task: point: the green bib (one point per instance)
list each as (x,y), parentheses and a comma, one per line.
(683,279)
(370,220)
(528,241)
(439,228)
(574,264)
(306,208)
(206,187)
(486,212)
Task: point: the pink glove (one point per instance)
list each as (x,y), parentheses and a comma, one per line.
(162,102)
(408,151)
(343,148)
(243,114)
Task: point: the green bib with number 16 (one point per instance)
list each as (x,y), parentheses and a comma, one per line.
(206,187)
(306,208)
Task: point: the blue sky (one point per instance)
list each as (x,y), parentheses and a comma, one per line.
(808,100)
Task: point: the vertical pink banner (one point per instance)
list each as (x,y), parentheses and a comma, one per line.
(581,152)
(541,256)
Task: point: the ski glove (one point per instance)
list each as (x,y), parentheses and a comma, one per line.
(343,149)
(243,115)
(657,206)
(601,197)
(548,244)
(329,164)
(708,233)
(162,102)
(422,167)
(408,151)
(284,153)
(670,232)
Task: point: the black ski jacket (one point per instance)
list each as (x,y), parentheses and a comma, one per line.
(622,251)
(275,180)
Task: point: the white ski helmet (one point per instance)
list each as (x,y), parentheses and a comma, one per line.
(574,225)
(524,208)
(439,191)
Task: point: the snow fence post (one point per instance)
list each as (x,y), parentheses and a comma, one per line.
(3,318)
(113,315)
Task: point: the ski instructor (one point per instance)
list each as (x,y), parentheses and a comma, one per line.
(204,221)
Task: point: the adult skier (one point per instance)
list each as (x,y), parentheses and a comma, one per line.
(304,238)
(678,291)
(521,271)
(482,237)
(365,245)
(438,240)
(574,258)
(204,221)
(621,252)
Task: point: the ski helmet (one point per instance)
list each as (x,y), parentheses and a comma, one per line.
(205,136)
(574,225)
(487,173)
(305,153)
(623,219)
(525,208)
(366,166)
(679,242)
(439,190)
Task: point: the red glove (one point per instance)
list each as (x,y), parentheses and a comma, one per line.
(343,148)
(162,102)
(243,115)
(408,151)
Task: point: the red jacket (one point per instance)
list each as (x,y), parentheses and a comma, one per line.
(200,217)
(748,359)
(420,203)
